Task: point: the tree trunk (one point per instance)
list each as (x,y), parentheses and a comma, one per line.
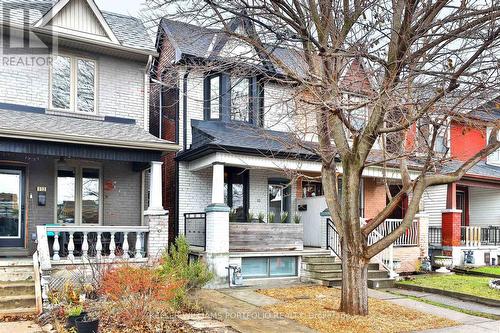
(354,299)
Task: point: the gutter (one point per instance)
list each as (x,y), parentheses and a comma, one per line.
(75,139)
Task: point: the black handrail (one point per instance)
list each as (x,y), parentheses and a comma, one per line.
(333,238)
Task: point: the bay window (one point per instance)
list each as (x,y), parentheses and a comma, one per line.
(78,195)
(73,84)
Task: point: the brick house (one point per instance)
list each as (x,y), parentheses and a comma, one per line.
(464,216)
(80,174)
(236,171)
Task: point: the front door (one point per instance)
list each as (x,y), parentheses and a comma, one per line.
(11,208)
(462,205)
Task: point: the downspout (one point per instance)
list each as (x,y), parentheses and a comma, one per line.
(184,144)
(146,93)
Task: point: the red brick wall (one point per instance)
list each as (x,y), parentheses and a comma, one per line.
(466,141)
(375,197)
(451,223)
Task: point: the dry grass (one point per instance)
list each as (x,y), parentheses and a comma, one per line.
(316,307)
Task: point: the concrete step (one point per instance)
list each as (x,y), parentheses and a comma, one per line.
(337,273)
(17,311)
(319,259)
(16,273)
(17,301)
(381,283)
(17,288)
(321,266)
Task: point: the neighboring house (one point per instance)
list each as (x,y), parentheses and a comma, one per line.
(76,155)
(237,162)
(465,216)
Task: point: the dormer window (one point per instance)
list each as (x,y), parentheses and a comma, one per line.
(240,100)
(233,99)
(73,84)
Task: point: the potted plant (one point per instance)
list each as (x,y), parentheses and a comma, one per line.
(262,217)
(296,219)
(74,313)
(87,324)
(284,217)
(270,218)
(444,262)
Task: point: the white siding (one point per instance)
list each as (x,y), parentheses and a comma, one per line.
(484,206)
(78,16)
(279,107)
(434,202)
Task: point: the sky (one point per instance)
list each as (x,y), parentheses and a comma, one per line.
(128,7)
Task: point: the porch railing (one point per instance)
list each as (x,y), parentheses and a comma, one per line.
(476,236)
(195,225)
(408,238)
(77,242)
(435,236)
(333,238)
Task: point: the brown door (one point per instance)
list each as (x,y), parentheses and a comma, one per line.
(462,205)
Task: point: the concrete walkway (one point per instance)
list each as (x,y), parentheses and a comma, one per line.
(20,327)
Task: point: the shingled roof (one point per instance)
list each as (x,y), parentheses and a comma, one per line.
(129,31)
(32,123)
(481,169)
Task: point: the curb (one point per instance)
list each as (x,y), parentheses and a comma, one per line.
(463,297)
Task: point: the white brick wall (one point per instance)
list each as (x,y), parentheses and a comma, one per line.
(120,84)
(158,234)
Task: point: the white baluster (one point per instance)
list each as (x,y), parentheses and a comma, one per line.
(85,245)
(125,246)
(98,245)
(71,247)
(112,246)
(138,245)
(56,247)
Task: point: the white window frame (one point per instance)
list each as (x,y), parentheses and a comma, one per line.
(73,95)
(78,167)
(493,158)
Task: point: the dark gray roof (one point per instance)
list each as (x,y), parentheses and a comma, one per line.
(489,111)
(40,125)
(244,137)
(481,169)
(130,31)
(193,40)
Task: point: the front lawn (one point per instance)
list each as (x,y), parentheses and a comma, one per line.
(317,308)
(465,284)
(488,269)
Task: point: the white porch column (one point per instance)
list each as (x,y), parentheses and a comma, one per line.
(217,230)
(218,183)
(155,190)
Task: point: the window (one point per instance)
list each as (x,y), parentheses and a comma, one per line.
(73,84)
(214,97)
(312,189)
(240,100)
(79,195)
(236,193)
(495,156)
(265,267)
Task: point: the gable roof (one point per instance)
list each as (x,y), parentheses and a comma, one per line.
(201,42)
(129,31)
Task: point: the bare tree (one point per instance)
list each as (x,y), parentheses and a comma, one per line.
(426,62)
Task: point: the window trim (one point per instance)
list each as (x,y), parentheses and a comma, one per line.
(78,190)
(74,84)
(207,96)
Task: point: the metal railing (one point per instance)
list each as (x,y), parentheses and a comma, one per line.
(195,226)
(77,242)
(333,239)
(435,236)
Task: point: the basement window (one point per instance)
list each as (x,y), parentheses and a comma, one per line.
(266,267)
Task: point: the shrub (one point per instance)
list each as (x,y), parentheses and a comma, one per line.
(176,264)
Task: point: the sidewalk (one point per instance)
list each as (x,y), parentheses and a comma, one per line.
(20,327)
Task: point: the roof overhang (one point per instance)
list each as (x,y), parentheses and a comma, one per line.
(91,141)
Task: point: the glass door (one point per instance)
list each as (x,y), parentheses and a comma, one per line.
(11,209)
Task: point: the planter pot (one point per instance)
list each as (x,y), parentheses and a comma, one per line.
(444,262)
(87,326)
(71,322)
